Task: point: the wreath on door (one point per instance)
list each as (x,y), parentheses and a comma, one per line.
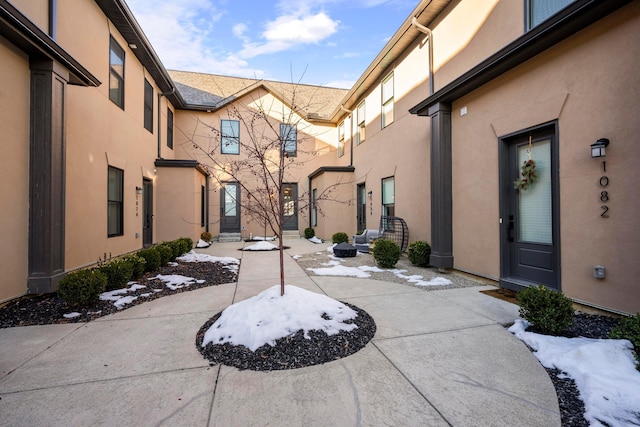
(527,172)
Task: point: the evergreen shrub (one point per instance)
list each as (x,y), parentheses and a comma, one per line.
(309,233)
(386,253)
(340,237)
(152,258)
(549,312)
(419,253)
(82,287)
(206,236)
(138,264)
(166,253)
(118,271)
(629,329)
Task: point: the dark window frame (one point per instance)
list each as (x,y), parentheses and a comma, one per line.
(229,140)
(117,202)
(388,209)
(148,106)
(529,14)
(202,205)
(169,128)
(116,80)
(287,142)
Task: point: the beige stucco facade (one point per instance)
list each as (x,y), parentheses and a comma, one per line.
(446,149)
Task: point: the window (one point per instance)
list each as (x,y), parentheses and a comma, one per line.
(538,11)
(314,208)
(230,136)
(116,73)
(114,202)
(148,106)
(341,139)
(289,138)
(361,135)
(169,128)
(202,205)
(387,101)
(388,197)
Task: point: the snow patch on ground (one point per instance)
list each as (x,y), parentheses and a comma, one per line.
(315,239)
(604,371)
(177,281)
(260,246)
(71,315)
(202,244)
(268,316)
(229,263)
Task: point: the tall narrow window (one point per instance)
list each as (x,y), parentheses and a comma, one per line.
(341,139)
(289,138)
(539,11)
(230,136)
(314,207)
(202,205)
(388,197)
(361,135)
(387,101)
(148,106)
(115,210)
(116,73)
(169,128)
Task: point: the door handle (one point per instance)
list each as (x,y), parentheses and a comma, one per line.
(510,228)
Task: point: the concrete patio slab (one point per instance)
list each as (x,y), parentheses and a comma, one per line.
(472,382)
(339,287)
(499,311)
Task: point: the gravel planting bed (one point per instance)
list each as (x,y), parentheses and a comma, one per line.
(294,351)
(49,309)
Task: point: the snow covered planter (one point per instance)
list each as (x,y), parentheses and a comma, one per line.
(272,332)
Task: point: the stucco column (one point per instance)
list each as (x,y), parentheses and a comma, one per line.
(441,204)
(47,176)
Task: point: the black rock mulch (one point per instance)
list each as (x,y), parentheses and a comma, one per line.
(571,407)
(49,309)
(294,351)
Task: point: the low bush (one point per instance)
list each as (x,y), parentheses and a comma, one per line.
(176,247)
(166,253)
(82,287)
(419,253)
(386,253)
(340,237)
(137,263)
(549,312)
(187,244)
(309,233)
(629,329)
(206,236)
(118,272)
(152,258)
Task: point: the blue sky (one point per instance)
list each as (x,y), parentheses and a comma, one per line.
(321,42)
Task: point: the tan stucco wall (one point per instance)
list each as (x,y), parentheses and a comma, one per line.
(585,83)
(36,10)
(14,163)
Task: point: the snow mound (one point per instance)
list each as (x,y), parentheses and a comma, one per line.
(202,244)
(604,371)
(268,316)
(176,281)
(260,246)
(315,239)
(192,256)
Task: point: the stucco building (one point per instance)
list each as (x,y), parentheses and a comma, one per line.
(101,159)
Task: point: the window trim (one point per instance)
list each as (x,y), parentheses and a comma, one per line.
(224,137)
(387,101)
(119,203)
(528,14)
(341,138)
(361,127)
(148,106)
(382,195)
(169,128)
(115,48)
(285,140)
(314,207)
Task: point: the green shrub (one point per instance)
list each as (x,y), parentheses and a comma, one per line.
(309,233)
(138,264)
(166,253)
(151,257)
(549,312)
(340,237)
(82,287)
(118,272)
(187,244)
(419,253)
(206,236)
(386,253)
(629,329)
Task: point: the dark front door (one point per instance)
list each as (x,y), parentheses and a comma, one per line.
(361,207)
(230,208)
(290,206)
(529,217)
(147,212)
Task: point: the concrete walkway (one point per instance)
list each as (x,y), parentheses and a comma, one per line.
(439,358)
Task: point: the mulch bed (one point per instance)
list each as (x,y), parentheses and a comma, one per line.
(49,309)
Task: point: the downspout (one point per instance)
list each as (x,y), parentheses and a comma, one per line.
(350,112)
(429,34)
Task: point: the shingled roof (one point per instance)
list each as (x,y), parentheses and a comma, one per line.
(213,91)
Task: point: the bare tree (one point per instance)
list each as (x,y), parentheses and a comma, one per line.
(272,147)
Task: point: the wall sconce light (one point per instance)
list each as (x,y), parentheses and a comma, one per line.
(138,190)
(370,194)
(598,147)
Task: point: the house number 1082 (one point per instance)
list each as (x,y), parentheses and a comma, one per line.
(604,194)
